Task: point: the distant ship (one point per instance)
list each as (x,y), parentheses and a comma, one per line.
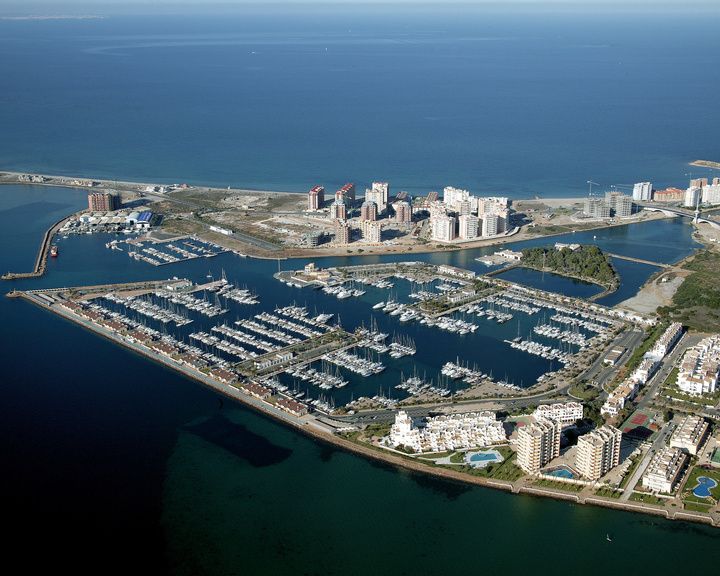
(54,251)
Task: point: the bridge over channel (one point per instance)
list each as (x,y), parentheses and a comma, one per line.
(674,212)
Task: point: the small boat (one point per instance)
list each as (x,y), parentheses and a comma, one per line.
(608,538)
(54,251)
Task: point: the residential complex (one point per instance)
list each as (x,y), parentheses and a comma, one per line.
(670,337)
(443,228)
(642,191)
(614,204)
(316,198)
(690,434)
(378,194)
(371,231)
(566,414)
(698,369)
(342,232)
(368,211)
(538,443)
(598,452)
(348,193)
(441,433)
(103,202)
(664,470)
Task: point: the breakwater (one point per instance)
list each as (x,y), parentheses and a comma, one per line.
(41,260)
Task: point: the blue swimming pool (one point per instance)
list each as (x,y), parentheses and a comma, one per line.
(705,484)
(482,459)
(561,473)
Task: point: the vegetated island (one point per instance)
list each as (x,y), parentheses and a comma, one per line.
(586,263)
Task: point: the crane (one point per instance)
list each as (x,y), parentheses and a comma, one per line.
(591,185)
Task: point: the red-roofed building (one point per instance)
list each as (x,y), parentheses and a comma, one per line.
(292,406)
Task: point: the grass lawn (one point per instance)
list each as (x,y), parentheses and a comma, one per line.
(696,507)
(647,498)
(608,493)
(557,485)
(692,482)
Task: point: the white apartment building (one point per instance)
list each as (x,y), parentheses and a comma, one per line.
(642,191)
(699,367)
(441,433)
(538,443)
(664,470)
(617,399)
(692,196)
(690,434)
(378,194)
(443,228)
(667,341)
(469,227)
(711,194)
(371,231)
(489,224)
(598,452)
(451,196)
(566,414)
(645,370)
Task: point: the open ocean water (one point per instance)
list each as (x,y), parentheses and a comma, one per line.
(112,462)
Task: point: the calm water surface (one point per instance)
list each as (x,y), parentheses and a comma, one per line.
(109,455)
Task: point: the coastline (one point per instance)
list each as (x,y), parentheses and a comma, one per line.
(522,232)
(319,431)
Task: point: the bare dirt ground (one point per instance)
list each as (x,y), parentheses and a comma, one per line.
(659,290)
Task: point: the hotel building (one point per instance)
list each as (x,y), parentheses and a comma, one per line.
(598,452)
(692,196)
(538,443)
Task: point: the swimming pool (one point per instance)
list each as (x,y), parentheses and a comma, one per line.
(560,472)
(705,484)
(482,459)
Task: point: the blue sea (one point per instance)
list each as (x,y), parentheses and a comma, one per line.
(112,462)
(497,102)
